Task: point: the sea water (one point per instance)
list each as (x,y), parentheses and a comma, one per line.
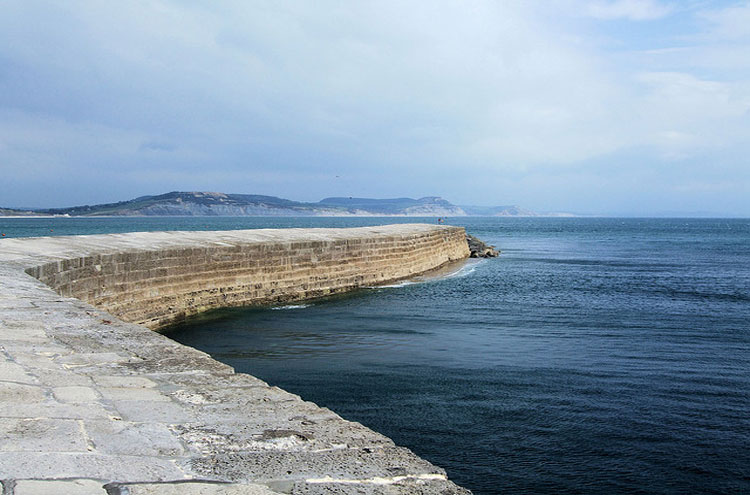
(593,356)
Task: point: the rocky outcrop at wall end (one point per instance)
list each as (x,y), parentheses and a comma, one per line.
(480,249)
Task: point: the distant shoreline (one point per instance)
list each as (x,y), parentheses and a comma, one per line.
(3,217)
(281,216)
(33,216)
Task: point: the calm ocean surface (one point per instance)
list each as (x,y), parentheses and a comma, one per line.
(593,356)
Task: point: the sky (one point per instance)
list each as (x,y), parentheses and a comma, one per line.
(632,107)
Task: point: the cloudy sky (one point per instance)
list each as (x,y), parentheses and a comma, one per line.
(593,106)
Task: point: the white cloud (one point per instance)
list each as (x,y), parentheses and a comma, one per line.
(684,113)
(731,23)
(634,10)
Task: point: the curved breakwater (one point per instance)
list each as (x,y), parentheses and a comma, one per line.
(91,396)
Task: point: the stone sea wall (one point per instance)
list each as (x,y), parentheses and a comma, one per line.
(156,286)
(92,398)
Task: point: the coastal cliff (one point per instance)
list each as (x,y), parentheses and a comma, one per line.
(211,204)
(201,203)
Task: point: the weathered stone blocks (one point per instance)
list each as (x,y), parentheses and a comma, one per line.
(156,287)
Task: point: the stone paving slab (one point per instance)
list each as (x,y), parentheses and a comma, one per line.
(13,372)
(88,400)
(59,487)
(42,435)
(55,465)
(189,488)
(134,439)
(52,409)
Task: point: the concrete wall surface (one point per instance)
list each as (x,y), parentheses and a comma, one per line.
(89,396)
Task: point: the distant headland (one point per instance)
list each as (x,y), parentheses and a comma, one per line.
(220,204)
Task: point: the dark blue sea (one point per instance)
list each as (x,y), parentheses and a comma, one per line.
(593,356)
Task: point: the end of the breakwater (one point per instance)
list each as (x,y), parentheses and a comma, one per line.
(91,397)
(480,249)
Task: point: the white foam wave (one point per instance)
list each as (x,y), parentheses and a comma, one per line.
(464,271)
(292,306)
(393,286)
